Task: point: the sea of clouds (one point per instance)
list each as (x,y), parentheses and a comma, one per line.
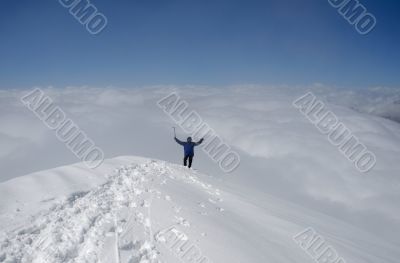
(282,153)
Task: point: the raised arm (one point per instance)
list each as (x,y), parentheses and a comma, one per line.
(199,142)
(179,142)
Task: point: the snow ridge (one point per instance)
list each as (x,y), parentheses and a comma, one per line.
(86,226)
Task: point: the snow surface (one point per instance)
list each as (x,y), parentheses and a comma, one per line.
(122,211)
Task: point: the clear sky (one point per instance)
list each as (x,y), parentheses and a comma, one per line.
(211,42)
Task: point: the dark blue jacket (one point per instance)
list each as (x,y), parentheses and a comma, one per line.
(189,146)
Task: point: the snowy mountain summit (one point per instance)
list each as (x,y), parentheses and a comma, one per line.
(133,209)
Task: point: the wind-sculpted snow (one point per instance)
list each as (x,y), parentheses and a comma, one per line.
(111,223)
(153,211)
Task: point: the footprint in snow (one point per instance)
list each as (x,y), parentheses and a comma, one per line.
(212,201)
(182,221)
(145,203)
(220,209)
(177,209)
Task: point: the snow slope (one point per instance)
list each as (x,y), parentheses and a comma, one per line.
(132,208)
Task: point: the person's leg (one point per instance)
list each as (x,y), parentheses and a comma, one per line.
(185,160)
(190,161)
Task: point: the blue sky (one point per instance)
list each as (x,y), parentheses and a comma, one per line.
(201,42)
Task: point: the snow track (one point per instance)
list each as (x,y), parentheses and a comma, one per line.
(111,223)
